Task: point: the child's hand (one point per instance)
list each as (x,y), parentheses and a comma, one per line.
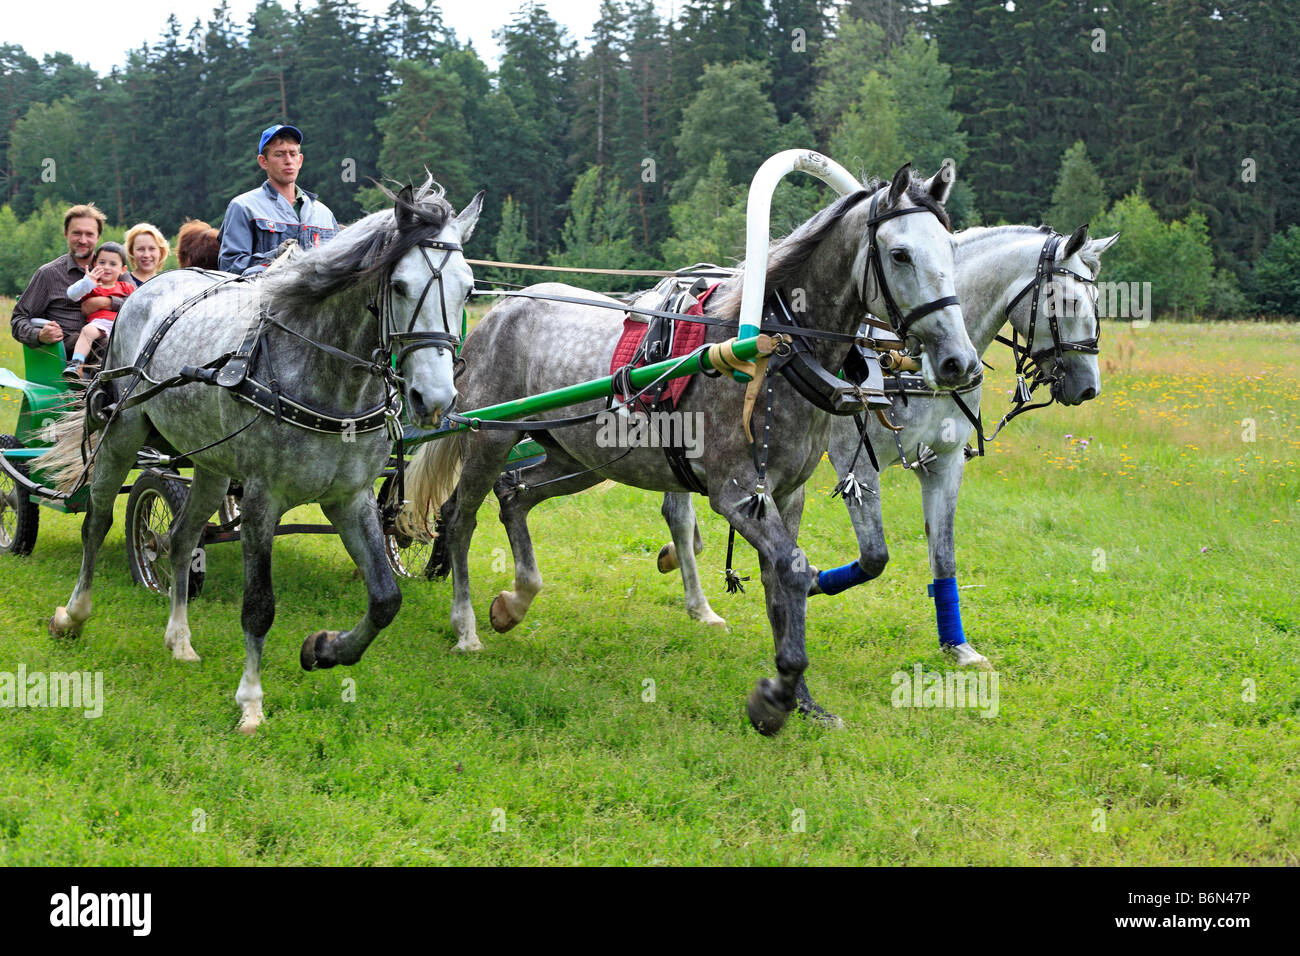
(99,274)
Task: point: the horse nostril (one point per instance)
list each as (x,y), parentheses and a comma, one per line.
(950,369)
(1088,394)
(417,402)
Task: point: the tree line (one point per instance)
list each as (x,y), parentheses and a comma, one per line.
(1176,118)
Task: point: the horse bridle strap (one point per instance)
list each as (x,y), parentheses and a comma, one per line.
(1047,267)
(389,335)
(899,322)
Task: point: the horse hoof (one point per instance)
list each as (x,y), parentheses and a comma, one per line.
(184,652)
(767,716)
(967,656)
(667,560)
(471,646)
(61,624)
(316,653)
(249,723)
(711,619)
(500,616)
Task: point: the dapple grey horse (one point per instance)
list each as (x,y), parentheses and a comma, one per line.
(994,267)
(321,349)
(524,347)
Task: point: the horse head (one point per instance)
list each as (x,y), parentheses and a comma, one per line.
(1064,331)
(429,286)
(905,271)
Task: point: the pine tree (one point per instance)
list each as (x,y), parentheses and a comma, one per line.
(597,232)
(842,65)
(424,128)
(512,243)
(535,76)
(730,114)
(1079,195)
(709,226)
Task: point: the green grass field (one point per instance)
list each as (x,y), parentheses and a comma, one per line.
(1136,594)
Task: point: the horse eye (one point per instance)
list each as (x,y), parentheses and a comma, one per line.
(900,256)
(399,287)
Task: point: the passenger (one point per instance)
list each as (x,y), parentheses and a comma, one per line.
(105,280)
(148,250)
(259,221)
(46,294)
(197,246)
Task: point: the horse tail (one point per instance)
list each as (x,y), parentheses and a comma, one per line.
(70,460)
(431,478)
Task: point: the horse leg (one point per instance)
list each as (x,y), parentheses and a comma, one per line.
(206,492)
(509,607)
(786,579)
(667,559)
(939,489)
(679,511)
(357,522)
(481,468)
(259,515)
(115,458)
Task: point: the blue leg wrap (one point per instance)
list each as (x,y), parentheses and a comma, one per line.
(948,610)
(841,579)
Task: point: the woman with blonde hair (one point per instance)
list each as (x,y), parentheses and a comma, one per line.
(148,249)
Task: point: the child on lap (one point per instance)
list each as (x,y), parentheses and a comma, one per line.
(108,265)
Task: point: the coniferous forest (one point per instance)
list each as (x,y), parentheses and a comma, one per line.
(1175,122)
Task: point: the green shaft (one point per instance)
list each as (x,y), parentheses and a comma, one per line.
(597,388)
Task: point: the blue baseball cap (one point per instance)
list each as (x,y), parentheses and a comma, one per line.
(271,131)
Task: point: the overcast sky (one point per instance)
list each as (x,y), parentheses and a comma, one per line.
(101,34)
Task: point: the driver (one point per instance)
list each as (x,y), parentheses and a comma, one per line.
(259,221)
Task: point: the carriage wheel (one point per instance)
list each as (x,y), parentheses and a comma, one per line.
(20,516)
(407,556)
(156,499)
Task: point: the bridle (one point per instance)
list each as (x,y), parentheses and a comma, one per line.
(1031,370)
(900,323)
(409,341)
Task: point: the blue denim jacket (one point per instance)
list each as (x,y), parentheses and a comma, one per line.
(259,220)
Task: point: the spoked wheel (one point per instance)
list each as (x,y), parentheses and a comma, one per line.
(20,517)
(407,555)
(155,501)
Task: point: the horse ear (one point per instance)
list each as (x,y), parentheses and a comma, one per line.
(1075,242)
(1093,249)
(939,186)
(468,217)
(404,209)
(899,186)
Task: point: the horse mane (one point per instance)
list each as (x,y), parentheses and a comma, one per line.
(787,257)
(362,250)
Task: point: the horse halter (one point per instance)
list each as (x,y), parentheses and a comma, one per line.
(410,340)
(899,322)
(1029,361)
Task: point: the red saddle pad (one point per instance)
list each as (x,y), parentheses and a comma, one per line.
(687,337)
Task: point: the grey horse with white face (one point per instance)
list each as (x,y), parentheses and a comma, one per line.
(527,346)
(997,271)
(323,327)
